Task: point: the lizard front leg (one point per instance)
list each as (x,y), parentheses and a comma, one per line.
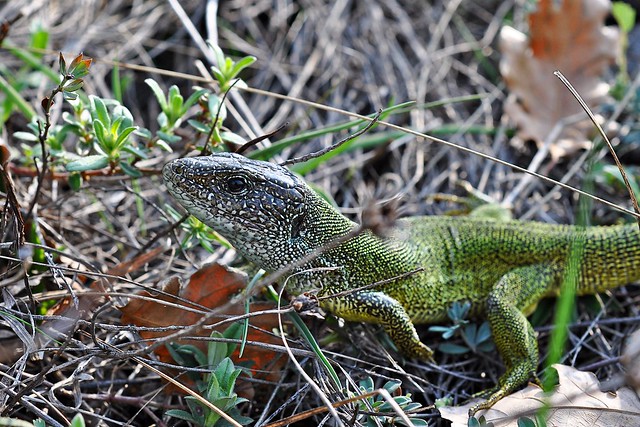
(377,307)
(513,334)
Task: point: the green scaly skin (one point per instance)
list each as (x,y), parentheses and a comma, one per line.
(502,268)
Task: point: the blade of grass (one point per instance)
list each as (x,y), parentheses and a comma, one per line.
(116,86)
(245,324)
(32,60)
(300,325)
(17,99)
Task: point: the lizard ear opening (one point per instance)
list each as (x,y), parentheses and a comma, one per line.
(296,226)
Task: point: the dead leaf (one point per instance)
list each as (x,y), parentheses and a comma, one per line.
(65,314)
(570,38)
(209,288)
(576,401)
(631,361)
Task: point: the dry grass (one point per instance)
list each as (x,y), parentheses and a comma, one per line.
(356,56)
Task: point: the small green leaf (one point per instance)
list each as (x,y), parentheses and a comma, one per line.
(196,408)
(452,348)
(624,15)
(124,134)
(101,135)
(163,120)
(234,138)
(219,76)
(233,332)
(484,332)
(367,384)
(199,126)
(88,163)
(130,170)
(62,64)
(217,350)
(73,85)
(443,401)
(79,67)
(130,148)
(155,87)
(526,422)
(227,67)
(39,37)
(143,133)
(25,136)
(77,421)
(242,64)
(473,422)
(171,139)
(75,181)
(193,99)
(176,105)
(471,333)
(219,54)
(392,386)
(180,414)
(163,145)
(100,111)
(213,388)
(69,96)
(115,125)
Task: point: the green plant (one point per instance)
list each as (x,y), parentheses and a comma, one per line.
(173,108)
(227,69)
(217,386)
(528,422)
(377,407)
(111,130)
(479,422)
(476,338)
(103,129)
(211,123)
(196,232)
(625,16)
(77,421)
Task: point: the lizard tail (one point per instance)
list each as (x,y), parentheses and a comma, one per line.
(611,258)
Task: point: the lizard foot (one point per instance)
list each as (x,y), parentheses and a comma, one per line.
(493,398)
(511,380)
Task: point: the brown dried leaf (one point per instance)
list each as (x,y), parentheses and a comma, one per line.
(576,401)
(210,287)
(570,38)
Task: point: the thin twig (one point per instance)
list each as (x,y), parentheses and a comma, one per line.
(587,110)
(258,139)
(322,152)
(215,120)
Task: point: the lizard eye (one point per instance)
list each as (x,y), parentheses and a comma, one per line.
(237,185)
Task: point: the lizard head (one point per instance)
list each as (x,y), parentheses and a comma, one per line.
(260,207)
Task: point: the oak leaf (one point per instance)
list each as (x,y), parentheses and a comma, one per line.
(569,37)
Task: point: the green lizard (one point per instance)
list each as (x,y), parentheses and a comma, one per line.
(273,218)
